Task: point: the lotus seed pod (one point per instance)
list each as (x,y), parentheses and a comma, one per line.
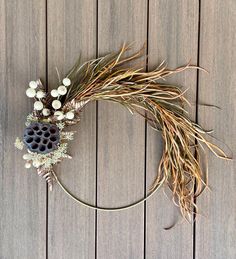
(26,156)
(40,94)
(59,115)
(27,165)
(46,112)
(38,105)
(56,104)
(70,115)
(62,90)
(41,138)
(54,93)
(66,81)
(30,92)
(33,84)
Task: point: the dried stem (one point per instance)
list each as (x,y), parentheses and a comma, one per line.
(163,105)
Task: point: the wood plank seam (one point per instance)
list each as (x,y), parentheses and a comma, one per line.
(196,119)
(145,143)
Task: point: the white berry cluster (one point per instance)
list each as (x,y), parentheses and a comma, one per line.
(35,91)
(56,104)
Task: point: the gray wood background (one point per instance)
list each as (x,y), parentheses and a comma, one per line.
(115,155)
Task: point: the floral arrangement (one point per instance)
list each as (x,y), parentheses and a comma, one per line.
(160,103)
(59,116)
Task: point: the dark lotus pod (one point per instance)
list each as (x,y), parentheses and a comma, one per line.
(41,138)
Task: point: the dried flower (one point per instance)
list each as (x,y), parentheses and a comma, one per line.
(27,165)
(46,112)
(38,105)
(66,81)
(19,144)
(60,125)
(40,94)
(54,93)
(62,90)
(59,115)
(56,104)
(70,115)
(67,135)
(33,84)
(30,92)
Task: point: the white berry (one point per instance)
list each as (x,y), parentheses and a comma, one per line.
(66,81)
(59,115)
(40,94)
(54,93)
(27,165)
(62,90)
(70,115)
(36,163)
(33,84)
(56,104)
(38,105)
(46,112)
(30,92)
(26,156)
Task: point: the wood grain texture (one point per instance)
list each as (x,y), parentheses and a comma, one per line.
(22,193)
(34,224)
(72,31)
(215,233)
(173,36)
(120,141)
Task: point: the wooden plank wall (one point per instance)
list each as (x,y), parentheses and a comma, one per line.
(120,136)
(174,38)
(70,33)
(215,233)
(22,195)
(115,155)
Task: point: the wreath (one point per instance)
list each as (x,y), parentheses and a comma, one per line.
(146,93)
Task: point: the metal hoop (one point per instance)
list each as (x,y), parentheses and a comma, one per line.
(94,207)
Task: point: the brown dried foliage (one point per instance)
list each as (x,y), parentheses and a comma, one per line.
(163,106)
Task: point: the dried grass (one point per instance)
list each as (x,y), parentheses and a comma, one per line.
(163,106)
